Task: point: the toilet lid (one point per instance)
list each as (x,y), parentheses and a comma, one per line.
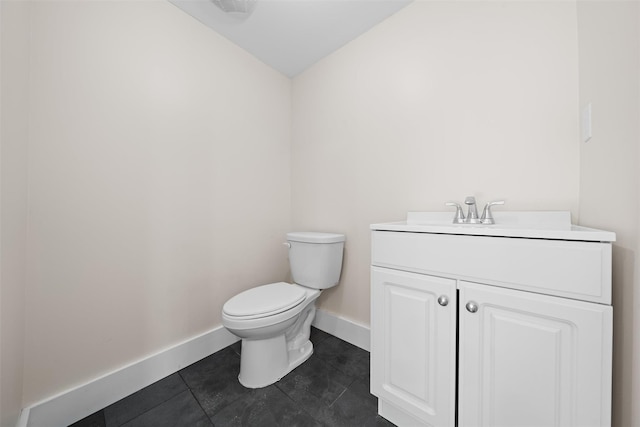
(265,300)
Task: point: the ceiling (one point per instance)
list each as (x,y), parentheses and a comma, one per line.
(292,35)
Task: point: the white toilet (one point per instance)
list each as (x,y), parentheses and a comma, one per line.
(274,321)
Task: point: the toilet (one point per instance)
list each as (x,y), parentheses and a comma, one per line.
(274,320)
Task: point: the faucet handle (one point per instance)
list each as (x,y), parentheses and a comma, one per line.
(459,217)
(487,217)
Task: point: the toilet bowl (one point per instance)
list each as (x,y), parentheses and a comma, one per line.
(274,320)
(273,342)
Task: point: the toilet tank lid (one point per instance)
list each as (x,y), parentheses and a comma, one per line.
(315,237)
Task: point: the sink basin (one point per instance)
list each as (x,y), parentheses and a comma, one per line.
(535,225)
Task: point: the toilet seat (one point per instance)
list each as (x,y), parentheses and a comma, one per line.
(264,301)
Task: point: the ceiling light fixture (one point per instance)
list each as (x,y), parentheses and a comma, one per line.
(237,8)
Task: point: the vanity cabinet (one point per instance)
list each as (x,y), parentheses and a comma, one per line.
(474,330)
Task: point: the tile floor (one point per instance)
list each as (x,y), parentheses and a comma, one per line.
(330,389)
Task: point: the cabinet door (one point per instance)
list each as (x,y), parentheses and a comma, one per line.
(532,360)
(413,344)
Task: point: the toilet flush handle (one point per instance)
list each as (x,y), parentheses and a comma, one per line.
(287,244)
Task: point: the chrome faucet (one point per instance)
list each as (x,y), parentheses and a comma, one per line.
(472,212)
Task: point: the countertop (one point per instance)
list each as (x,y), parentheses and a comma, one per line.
(554,225)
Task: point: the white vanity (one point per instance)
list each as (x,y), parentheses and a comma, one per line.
(491,325)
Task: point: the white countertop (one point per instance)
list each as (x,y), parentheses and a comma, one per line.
(554,225)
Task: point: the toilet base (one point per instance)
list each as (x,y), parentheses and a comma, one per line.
(298,356)
(264,362)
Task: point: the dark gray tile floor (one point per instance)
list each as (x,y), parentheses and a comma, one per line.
(329,389)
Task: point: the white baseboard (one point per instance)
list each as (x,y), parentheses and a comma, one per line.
(345,329)
(24,418)
(74,404)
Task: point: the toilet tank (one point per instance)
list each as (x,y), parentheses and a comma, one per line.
(315,258)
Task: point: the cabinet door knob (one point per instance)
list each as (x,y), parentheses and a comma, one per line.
(472,307)
(443,300)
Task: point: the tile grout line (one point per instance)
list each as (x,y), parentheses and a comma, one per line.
(200,406)
(150,409)
(196,397)
(296,403)
(338,398)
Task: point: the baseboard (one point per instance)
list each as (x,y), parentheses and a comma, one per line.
(79,402)
(74,404)
(24,418)
(345,329)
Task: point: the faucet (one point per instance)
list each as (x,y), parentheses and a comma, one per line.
(472,212)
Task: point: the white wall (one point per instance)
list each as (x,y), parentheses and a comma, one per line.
(609,69)
(159,184)
(440,101)
(14,72)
